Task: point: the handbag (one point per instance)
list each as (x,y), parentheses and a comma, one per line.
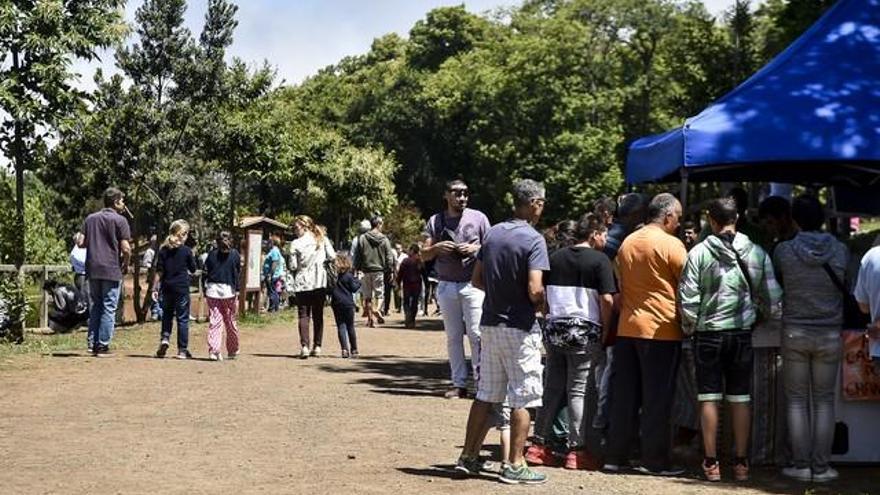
(330,269)
(853,318)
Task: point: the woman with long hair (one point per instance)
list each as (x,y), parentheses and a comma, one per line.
(222,273)
(176,263)
(309,254)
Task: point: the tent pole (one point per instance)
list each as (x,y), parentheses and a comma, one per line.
(683,193)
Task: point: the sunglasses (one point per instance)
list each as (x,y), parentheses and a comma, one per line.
(460,192)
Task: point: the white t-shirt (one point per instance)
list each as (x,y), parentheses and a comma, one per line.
(868,290)
(216,290)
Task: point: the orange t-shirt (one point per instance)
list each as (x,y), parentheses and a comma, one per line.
(650,263)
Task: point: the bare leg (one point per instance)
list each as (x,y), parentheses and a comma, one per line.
(709,422)
(519,431)
(368,309)
(477,427)
(505,445)
(742,421)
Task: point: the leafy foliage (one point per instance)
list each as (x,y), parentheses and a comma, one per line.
(38,40)
(42,243)
(13,308)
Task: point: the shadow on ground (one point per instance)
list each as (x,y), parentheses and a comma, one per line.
(446,471)
(399,376)
(853,481)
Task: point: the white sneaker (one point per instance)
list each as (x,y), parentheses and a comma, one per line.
(800,474)
(316,351)
(215,356)
(304,353)
(829,474)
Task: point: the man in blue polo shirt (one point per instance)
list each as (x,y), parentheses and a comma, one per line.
(509,269)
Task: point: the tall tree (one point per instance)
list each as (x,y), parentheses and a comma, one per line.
(38,40)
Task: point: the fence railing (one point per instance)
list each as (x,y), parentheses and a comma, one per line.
(198,311)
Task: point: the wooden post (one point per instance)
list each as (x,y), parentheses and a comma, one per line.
(44,306)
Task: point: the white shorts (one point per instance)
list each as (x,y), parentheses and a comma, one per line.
(373,287)
(510,366)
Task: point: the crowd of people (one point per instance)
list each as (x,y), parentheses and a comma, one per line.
(615,297)
(606,306)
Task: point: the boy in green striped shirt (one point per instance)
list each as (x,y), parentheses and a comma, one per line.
(726,286)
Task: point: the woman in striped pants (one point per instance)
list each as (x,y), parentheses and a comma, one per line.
(221,284)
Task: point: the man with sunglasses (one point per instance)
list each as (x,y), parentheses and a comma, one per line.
(452,238)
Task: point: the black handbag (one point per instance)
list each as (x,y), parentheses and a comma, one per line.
(853,318)
(330,269)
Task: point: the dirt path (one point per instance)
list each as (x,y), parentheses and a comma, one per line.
(269,423)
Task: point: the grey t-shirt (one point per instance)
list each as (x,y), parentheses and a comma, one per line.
(510,250)
(104,231)
(471,227)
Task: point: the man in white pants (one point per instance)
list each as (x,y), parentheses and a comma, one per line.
(453,237)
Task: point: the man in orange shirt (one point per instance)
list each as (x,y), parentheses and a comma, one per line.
(648,347)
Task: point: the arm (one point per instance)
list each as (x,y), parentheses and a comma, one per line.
(539,262)
(861,291)
(690,298)
(126,254)
(123,233)
(191,262)
(352,283)
(606,313)
(771,292)
(157,274)
(536,289)
(236,270)
(432,247)
(390,262)
(477,277)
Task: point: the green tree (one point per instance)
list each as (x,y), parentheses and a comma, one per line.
(38,40)
(42,244)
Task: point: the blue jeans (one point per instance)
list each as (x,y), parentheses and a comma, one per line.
(102,314)
(273,295)
(566,378)
(344,316)
(810,362)
(410,306)
(175,303)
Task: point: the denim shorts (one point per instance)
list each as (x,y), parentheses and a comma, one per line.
(724,365)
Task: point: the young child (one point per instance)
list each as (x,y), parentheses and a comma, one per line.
(501,416)
(342,302)
(410,276)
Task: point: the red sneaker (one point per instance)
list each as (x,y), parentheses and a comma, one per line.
(582,459)
(541,455)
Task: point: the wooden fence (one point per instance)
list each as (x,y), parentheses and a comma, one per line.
(127,307)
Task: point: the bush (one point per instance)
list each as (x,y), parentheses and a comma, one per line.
(13,309)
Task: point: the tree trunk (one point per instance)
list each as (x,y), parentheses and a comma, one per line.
(19,159)
(139,313)
(233,183)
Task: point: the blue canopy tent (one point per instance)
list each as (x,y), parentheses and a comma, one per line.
(811,115)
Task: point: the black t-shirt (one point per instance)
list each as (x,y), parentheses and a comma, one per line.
(175,265)
(577,276)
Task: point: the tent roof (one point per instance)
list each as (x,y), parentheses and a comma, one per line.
(811,114)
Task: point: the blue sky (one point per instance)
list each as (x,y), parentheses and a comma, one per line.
(299,37)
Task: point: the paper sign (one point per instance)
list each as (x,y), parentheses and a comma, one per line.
(861,380)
